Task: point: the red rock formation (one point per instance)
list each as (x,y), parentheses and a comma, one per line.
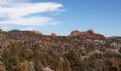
(90,31)
(87,34)
(75,33)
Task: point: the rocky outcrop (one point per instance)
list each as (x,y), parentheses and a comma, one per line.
(37,32)
(53,35)
(75,33)
(87,34)
(90,31)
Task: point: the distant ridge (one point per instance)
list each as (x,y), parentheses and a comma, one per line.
(75,33)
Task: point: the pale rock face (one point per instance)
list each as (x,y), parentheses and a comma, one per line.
(37,32)
(47,69)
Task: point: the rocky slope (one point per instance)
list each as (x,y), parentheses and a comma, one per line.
(79,51)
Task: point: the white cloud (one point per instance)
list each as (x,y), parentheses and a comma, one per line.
(12,1)
(24,9)
(20,13)
(31,21)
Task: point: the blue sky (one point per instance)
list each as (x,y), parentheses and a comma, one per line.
(102,16)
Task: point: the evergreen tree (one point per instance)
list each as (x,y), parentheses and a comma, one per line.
(66,65)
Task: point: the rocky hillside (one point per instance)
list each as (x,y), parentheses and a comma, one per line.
(79,51)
